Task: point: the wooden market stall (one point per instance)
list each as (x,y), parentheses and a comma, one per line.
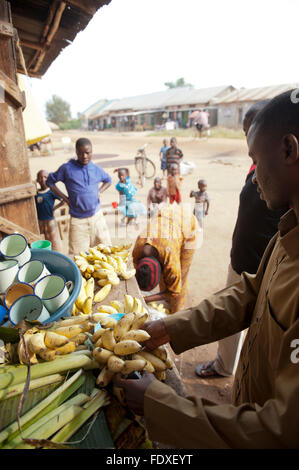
(32,34)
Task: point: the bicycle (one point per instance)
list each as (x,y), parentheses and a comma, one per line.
(144,166)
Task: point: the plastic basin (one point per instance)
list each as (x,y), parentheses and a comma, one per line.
(58,263)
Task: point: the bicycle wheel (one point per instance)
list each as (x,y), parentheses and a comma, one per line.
(139,165)
(149,168)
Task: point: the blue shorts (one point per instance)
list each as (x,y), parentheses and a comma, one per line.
(163,164)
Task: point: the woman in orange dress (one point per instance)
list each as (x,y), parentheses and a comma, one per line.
(163,254)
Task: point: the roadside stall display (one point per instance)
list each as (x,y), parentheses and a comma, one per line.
(68,327)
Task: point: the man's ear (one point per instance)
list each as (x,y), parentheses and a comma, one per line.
(290,148)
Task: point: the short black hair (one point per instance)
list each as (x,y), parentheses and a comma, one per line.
(255,108)
(280,116)
(82,141)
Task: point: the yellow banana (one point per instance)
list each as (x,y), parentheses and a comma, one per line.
(137,305)
(115,363)
(119,306)
(48,355)
(87,306)
(89,287)
(139,320)
(104,377)
(53,340)
(148,366)
(136,335)
(113,278)
(66,349)
(108,339)
(123,325)
(102,293)
(156,362)
(98,316)
(127,347)
(37,343)
(129,302)
(103,282)
(107,309)
(102,355)
(132,365)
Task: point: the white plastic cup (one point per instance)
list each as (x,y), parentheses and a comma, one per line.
(32,271)
(8,272)
(54,291)
(28,307)
(15,246)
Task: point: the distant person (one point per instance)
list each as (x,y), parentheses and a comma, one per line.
(128,205)
(45,206)
(202,121)
(174,181)
(82,178)
(255,226)
(202,202)
(162,156)
(157,196)
(173,154)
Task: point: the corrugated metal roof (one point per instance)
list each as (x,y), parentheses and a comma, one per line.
(162,99)
(102,111)
(95,107)
(254,94)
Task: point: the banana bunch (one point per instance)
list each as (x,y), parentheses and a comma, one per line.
(159,307)
(65,337)
(118,348)
(107,264)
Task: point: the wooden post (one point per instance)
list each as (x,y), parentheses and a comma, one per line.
(14,164)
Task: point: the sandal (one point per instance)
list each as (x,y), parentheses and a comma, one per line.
(206,370)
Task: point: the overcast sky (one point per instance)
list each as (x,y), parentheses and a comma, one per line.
(131,47)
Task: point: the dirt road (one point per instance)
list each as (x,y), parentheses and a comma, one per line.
(224,164)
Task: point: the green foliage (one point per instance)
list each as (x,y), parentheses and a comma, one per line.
(71,124)
(179,83)
(58,110)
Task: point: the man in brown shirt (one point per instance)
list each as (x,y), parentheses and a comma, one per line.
(265,405)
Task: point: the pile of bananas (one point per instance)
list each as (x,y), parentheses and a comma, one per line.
(117,345)
(105,263)
(102,266)
(64,337)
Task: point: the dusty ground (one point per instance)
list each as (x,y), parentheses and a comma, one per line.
(224,164)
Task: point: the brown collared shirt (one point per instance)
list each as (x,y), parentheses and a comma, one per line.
(265,408)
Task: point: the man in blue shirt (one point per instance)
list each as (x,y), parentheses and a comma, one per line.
(82,178)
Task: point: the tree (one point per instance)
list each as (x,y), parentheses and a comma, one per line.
(180,82)
(58,110)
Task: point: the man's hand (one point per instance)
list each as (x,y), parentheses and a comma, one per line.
(134,390)
(157,331)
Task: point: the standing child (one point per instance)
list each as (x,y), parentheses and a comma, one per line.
(173,155)
(45,200)
(157,196)
(84,182)
(162,155)
(174,184)
(128,204)
(202,202)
